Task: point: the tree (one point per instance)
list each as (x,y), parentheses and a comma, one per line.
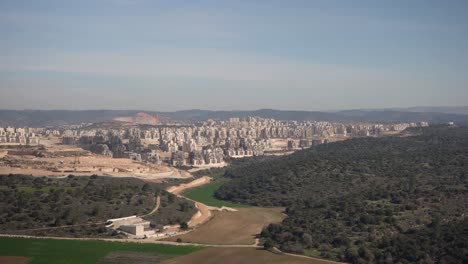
(147,188)
(184,207)
(184,226)
(307,239)
(268,244)
(95,211)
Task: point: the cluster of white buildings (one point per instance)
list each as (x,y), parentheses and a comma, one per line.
(19,136)
(211,142)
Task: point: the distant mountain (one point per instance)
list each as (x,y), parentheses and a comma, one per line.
(45,118)
(401,116)
(140,118)
(462,110)
(201,115)
(439,109)
(341,116)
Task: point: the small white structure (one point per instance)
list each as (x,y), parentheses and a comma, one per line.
(136,230)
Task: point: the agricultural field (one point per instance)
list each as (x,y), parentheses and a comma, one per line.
(51,251)
(205,194)
(240,255)
(233,228)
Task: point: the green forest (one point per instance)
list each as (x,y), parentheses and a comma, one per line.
(366,200)
(35,205)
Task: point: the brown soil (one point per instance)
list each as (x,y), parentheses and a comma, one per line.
(203,213)
(233,228)
(124,257)
(139,118)
(13,260)
(87,165)
(195,183)
(240,255)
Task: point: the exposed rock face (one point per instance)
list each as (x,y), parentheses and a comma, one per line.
(139,118)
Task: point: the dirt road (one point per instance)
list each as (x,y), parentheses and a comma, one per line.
(129,240)
(202,216)
(203,213)
(158,203)
(155,209)
(195,183)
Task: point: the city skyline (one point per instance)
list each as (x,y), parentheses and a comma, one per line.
(166,56)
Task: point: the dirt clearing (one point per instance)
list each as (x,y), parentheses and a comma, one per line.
(180,188)
(87,165)
(233,228)
(13,260)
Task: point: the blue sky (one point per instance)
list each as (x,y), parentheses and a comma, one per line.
(170,55)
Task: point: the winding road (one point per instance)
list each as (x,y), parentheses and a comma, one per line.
(155,209)
(202,216)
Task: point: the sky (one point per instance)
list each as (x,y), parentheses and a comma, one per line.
(232,55)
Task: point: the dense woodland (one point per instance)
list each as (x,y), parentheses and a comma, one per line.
(367,200)
(28,202)
(173,210)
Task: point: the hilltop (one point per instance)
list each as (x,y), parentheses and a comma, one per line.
(139,118)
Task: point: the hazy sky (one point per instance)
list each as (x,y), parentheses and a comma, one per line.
(168,55)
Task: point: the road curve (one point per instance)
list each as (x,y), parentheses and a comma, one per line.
(203,214)
(200,217)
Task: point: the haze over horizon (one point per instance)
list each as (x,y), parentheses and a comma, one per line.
(243,55)
(441,109)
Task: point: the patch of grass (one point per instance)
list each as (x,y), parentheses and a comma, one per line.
(50,251)
(205,194)
(313,252)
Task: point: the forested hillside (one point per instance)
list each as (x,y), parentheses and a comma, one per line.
(35,205)
(366,200)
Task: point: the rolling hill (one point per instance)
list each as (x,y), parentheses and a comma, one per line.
(366,200)
(46,118)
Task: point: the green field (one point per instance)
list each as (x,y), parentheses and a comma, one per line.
(205,194)
(50,251)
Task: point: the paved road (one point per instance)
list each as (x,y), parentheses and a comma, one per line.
(126,240)
(144,241)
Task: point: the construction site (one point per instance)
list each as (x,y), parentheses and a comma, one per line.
(62,160)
